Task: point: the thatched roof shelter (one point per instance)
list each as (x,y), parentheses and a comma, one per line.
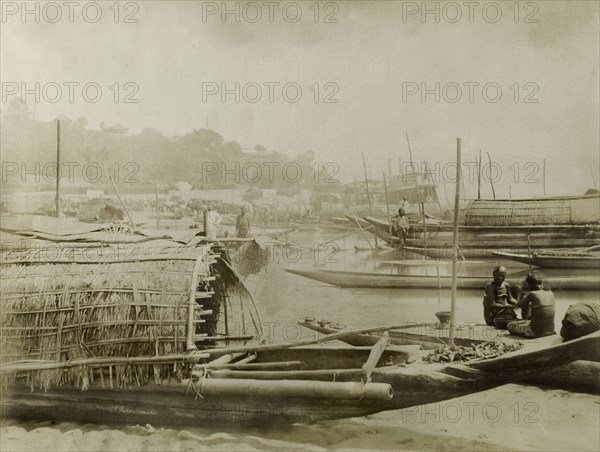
(141,309)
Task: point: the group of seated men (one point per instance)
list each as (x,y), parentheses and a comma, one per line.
(537,305)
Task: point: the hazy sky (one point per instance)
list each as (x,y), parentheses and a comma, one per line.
(371,61)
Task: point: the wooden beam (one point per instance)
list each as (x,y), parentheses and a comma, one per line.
(373,359)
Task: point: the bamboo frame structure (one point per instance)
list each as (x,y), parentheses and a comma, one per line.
(142,316)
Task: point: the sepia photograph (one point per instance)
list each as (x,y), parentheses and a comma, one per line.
(300,225)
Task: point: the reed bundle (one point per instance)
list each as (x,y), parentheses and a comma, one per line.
(110,312)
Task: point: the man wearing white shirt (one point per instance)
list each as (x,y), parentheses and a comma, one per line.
(213,220)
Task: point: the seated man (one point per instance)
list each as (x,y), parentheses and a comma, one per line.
(498,302)
(537,308)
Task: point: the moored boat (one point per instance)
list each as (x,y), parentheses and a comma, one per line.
(168,335)
(581,375)
(556,259)
(433,281)
(279,384)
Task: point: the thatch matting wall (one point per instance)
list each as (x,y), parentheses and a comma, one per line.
(126,316)
(531,212)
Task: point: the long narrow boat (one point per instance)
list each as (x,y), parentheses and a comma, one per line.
(581,375)
(556,259)
(386,280)
(167,335)
(482,241)
(474,253)
(279,384)
(575,230)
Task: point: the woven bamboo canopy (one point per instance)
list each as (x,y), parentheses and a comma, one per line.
(141,311)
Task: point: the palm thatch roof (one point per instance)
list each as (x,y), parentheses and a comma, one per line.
(141,312)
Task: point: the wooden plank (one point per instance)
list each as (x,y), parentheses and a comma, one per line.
(373,359)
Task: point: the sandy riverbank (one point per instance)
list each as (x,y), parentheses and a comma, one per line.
(512,417)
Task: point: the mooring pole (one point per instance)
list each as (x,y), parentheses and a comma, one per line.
(57,199)
(455,245)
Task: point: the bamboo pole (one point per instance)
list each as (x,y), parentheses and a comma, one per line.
(109,361)
(544,176)
(387,203)
(424,234)
(529,249)
(412,167)
(330,337)
(121,201)
(368,192)
(57,198)
(156,201)
(455,246)
(431,182)
(479,176)
(445,191)
(357,223)
(490,175)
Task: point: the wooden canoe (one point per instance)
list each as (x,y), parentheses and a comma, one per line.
(471,253)
(286,385)
(575,230)
(556,259)
(385,280)
(479,241)
(581,375)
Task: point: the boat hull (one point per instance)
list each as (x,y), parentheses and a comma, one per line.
(170,404)
(554,261)
(389,281)
(581,375)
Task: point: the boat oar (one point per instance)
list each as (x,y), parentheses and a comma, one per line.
(373,359)
(329,337)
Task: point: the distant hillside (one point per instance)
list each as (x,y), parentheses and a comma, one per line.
(167,159)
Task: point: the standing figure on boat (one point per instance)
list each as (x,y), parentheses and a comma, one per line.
(213,220)
(401,229)
(242,224)
(498,302)
(537,309)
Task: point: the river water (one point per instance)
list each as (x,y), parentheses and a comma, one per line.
(510,417)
